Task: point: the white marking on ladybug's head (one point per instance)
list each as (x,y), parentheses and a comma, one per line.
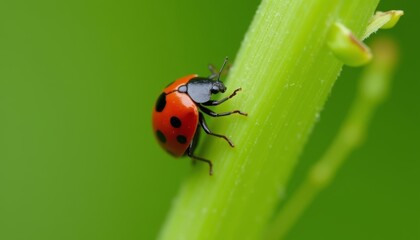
(183,89)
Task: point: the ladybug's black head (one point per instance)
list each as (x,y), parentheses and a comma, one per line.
(217,87)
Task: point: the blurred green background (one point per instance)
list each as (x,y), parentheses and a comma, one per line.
(78,160)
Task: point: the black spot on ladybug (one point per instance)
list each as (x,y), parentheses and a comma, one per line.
(161,102)
(181,139)
(161,136)
(175,122)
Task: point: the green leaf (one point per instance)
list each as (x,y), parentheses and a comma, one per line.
(286,72)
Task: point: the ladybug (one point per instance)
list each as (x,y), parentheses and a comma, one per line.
(178,113)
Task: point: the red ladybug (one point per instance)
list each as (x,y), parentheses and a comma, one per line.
(179,112)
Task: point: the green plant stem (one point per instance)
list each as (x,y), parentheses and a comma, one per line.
(286,72)
(373,88)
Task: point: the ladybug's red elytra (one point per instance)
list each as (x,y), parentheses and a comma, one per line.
(179,109)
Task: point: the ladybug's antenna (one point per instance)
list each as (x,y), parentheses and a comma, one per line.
(221,69)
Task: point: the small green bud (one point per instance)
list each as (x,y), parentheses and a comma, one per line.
(382,20)
(346,47)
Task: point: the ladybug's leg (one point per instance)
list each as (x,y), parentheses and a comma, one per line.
(190,154)
(217,102)
(213,114)
(208,131)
